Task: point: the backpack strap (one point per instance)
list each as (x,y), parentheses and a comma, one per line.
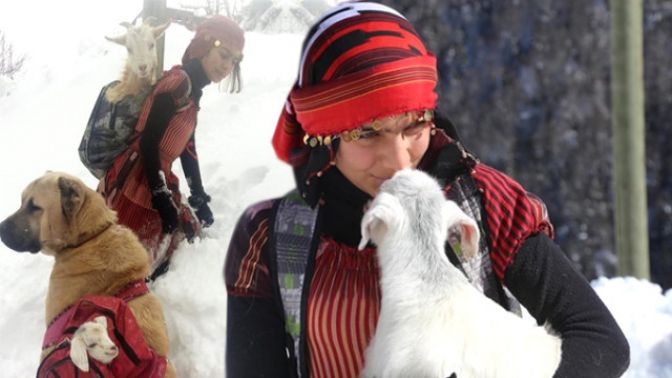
(478,268)
(184,101)
(294,241)
(132,290)
(57,327)
(180,94)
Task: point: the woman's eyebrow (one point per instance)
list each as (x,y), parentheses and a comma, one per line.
(225,50)
(230,53)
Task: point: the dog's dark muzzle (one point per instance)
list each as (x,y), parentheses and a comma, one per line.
(18,238)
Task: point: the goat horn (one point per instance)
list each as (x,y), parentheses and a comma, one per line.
(149,20)
(159,30)
(121,40)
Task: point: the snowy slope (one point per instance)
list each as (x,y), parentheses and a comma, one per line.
(41,124)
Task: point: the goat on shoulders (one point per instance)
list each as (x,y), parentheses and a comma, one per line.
(140,70)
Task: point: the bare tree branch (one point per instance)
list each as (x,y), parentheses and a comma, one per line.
(9,65)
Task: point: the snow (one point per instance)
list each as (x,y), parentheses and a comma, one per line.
(43,117)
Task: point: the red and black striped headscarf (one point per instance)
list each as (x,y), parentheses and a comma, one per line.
(359,62)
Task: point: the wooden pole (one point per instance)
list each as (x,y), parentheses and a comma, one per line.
(627,114)
(157,8)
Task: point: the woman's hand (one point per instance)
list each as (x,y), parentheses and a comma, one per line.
(163,203)
(199,202)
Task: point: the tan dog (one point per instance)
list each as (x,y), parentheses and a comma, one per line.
(92,253)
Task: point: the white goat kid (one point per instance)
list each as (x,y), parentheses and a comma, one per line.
(141,64)
(433,322)
(91,339)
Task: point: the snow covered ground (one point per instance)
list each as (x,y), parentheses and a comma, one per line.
(41,122)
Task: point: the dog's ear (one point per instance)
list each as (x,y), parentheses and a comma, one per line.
(468,229)
(78,353)
(383,214)
(72,197)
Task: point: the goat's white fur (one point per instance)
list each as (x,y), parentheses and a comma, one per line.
(141,64)
(91,338)
(433,322)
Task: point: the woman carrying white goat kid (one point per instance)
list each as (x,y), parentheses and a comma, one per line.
(304,301)
(465,333)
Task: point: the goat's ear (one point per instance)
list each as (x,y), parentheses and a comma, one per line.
(370,221)
(101,320)
(380,217)
(120,40)
(468,229)
(78,353)
(159,30)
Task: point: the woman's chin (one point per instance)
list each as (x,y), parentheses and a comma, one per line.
(372,189)
(216,78)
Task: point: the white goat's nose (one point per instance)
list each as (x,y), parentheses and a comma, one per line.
(143,67)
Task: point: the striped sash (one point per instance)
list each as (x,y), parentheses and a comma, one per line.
(478,268)
(293,231)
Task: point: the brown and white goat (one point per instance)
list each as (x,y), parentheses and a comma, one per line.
(91,339)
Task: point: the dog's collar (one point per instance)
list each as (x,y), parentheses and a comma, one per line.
(58,326)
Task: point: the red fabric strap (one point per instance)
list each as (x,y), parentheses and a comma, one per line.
(132,290)
(57,327)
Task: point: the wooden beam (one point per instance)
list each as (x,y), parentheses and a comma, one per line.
(627,118)
(184,17)
(157,8)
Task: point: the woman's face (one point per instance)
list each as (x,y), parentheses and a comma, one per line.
(219,62)
(377,155)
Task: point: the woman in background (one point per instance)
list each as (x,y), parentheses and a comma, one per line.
(141,186)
